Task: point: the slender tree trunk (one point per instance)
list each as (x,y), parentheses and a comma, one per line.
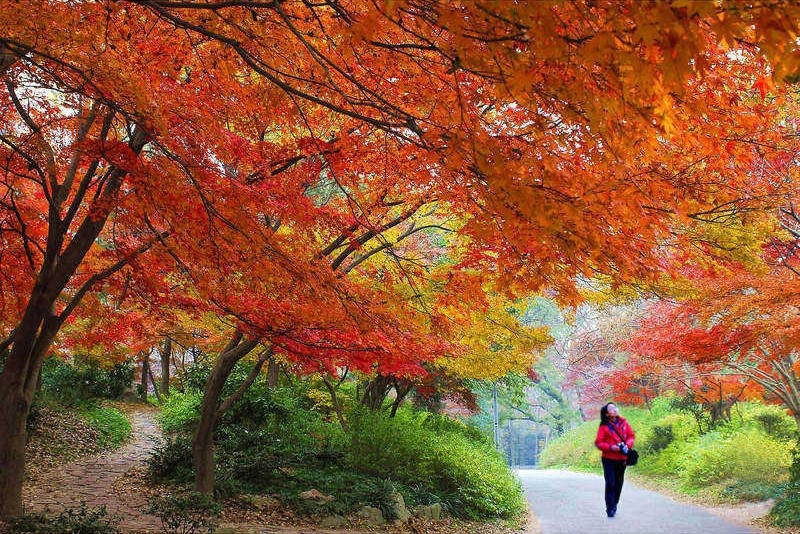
(145,375)
(155,386)
(166,355)
(203,441)
(273,370)
(337,406)
(402,393)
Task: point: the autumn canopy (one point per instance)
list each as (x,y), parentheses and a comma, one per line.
(369,184)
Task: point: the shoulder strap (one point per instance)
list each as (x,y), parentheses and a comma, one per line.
(615,431)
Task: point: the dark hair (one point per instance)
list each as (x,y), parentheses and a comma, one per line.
(604,413)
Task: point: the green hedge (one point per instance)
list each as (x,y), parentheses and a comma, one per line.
(413,447)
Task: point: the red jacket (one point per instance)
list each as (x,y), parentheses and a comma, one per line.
(606,438)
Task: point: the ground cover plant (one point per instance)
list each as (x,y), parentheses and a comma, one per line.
(747,458)
(284,441)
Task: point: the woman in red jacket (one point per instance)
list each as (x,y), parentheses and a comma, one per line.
(614,438)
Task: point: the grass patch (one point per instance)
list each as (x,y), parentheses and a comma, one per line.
(112,426)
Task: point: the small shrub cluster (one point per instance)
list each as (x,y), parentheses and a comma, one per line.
(786,512)
(186,513)
(82,520)
(171,460)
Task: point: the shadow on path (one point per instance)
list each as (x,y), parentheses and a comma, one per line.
(569,502)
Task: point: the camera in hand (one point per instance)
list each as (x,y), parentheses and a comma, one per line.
(622,447)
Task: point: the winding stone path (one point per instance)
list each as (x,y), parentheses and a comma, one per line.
(569,502)
(96,480)
(100,480)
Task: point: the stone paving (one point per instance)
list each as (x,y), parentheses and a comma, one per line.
(93,479)
(99,480)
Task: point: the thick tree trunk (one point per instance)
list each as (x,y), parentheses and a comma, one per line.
(166,355)
(18,382)
(203,441)
(13,413)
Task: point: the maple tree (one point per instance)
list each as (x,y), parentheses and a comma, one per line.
(267,154)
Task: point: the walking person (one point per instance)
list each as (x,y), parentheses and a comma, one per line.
(614,439)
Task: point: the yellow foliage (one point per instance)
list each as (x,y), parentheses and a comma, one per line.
(496,343)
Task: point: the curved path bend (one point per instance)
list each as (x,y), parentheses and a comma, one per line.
(572,503)
(96,480)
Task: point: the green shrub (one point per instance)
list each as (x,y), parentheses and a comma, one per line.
(70,384)
(786,512)
(281,440)
(112,425)
(181,412)
(403,449)
(82,520)
(171,460)
(774,420)
(186,513)
(662,435)
(574,449)
(753,491)
(747,456)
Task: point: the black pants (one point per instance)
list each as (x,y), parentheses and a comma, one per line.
(614,473)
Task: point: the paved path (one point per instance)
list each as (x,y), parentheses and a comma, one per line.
(98,480)
(569,502)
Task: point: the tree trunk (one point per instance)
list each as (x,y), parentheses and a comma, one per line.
(153,381)
(376,391)
(273,370)
(13,413)
(337,406)
(402,388)
(18,382)
(166,355)
(145,375)
(203,441)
